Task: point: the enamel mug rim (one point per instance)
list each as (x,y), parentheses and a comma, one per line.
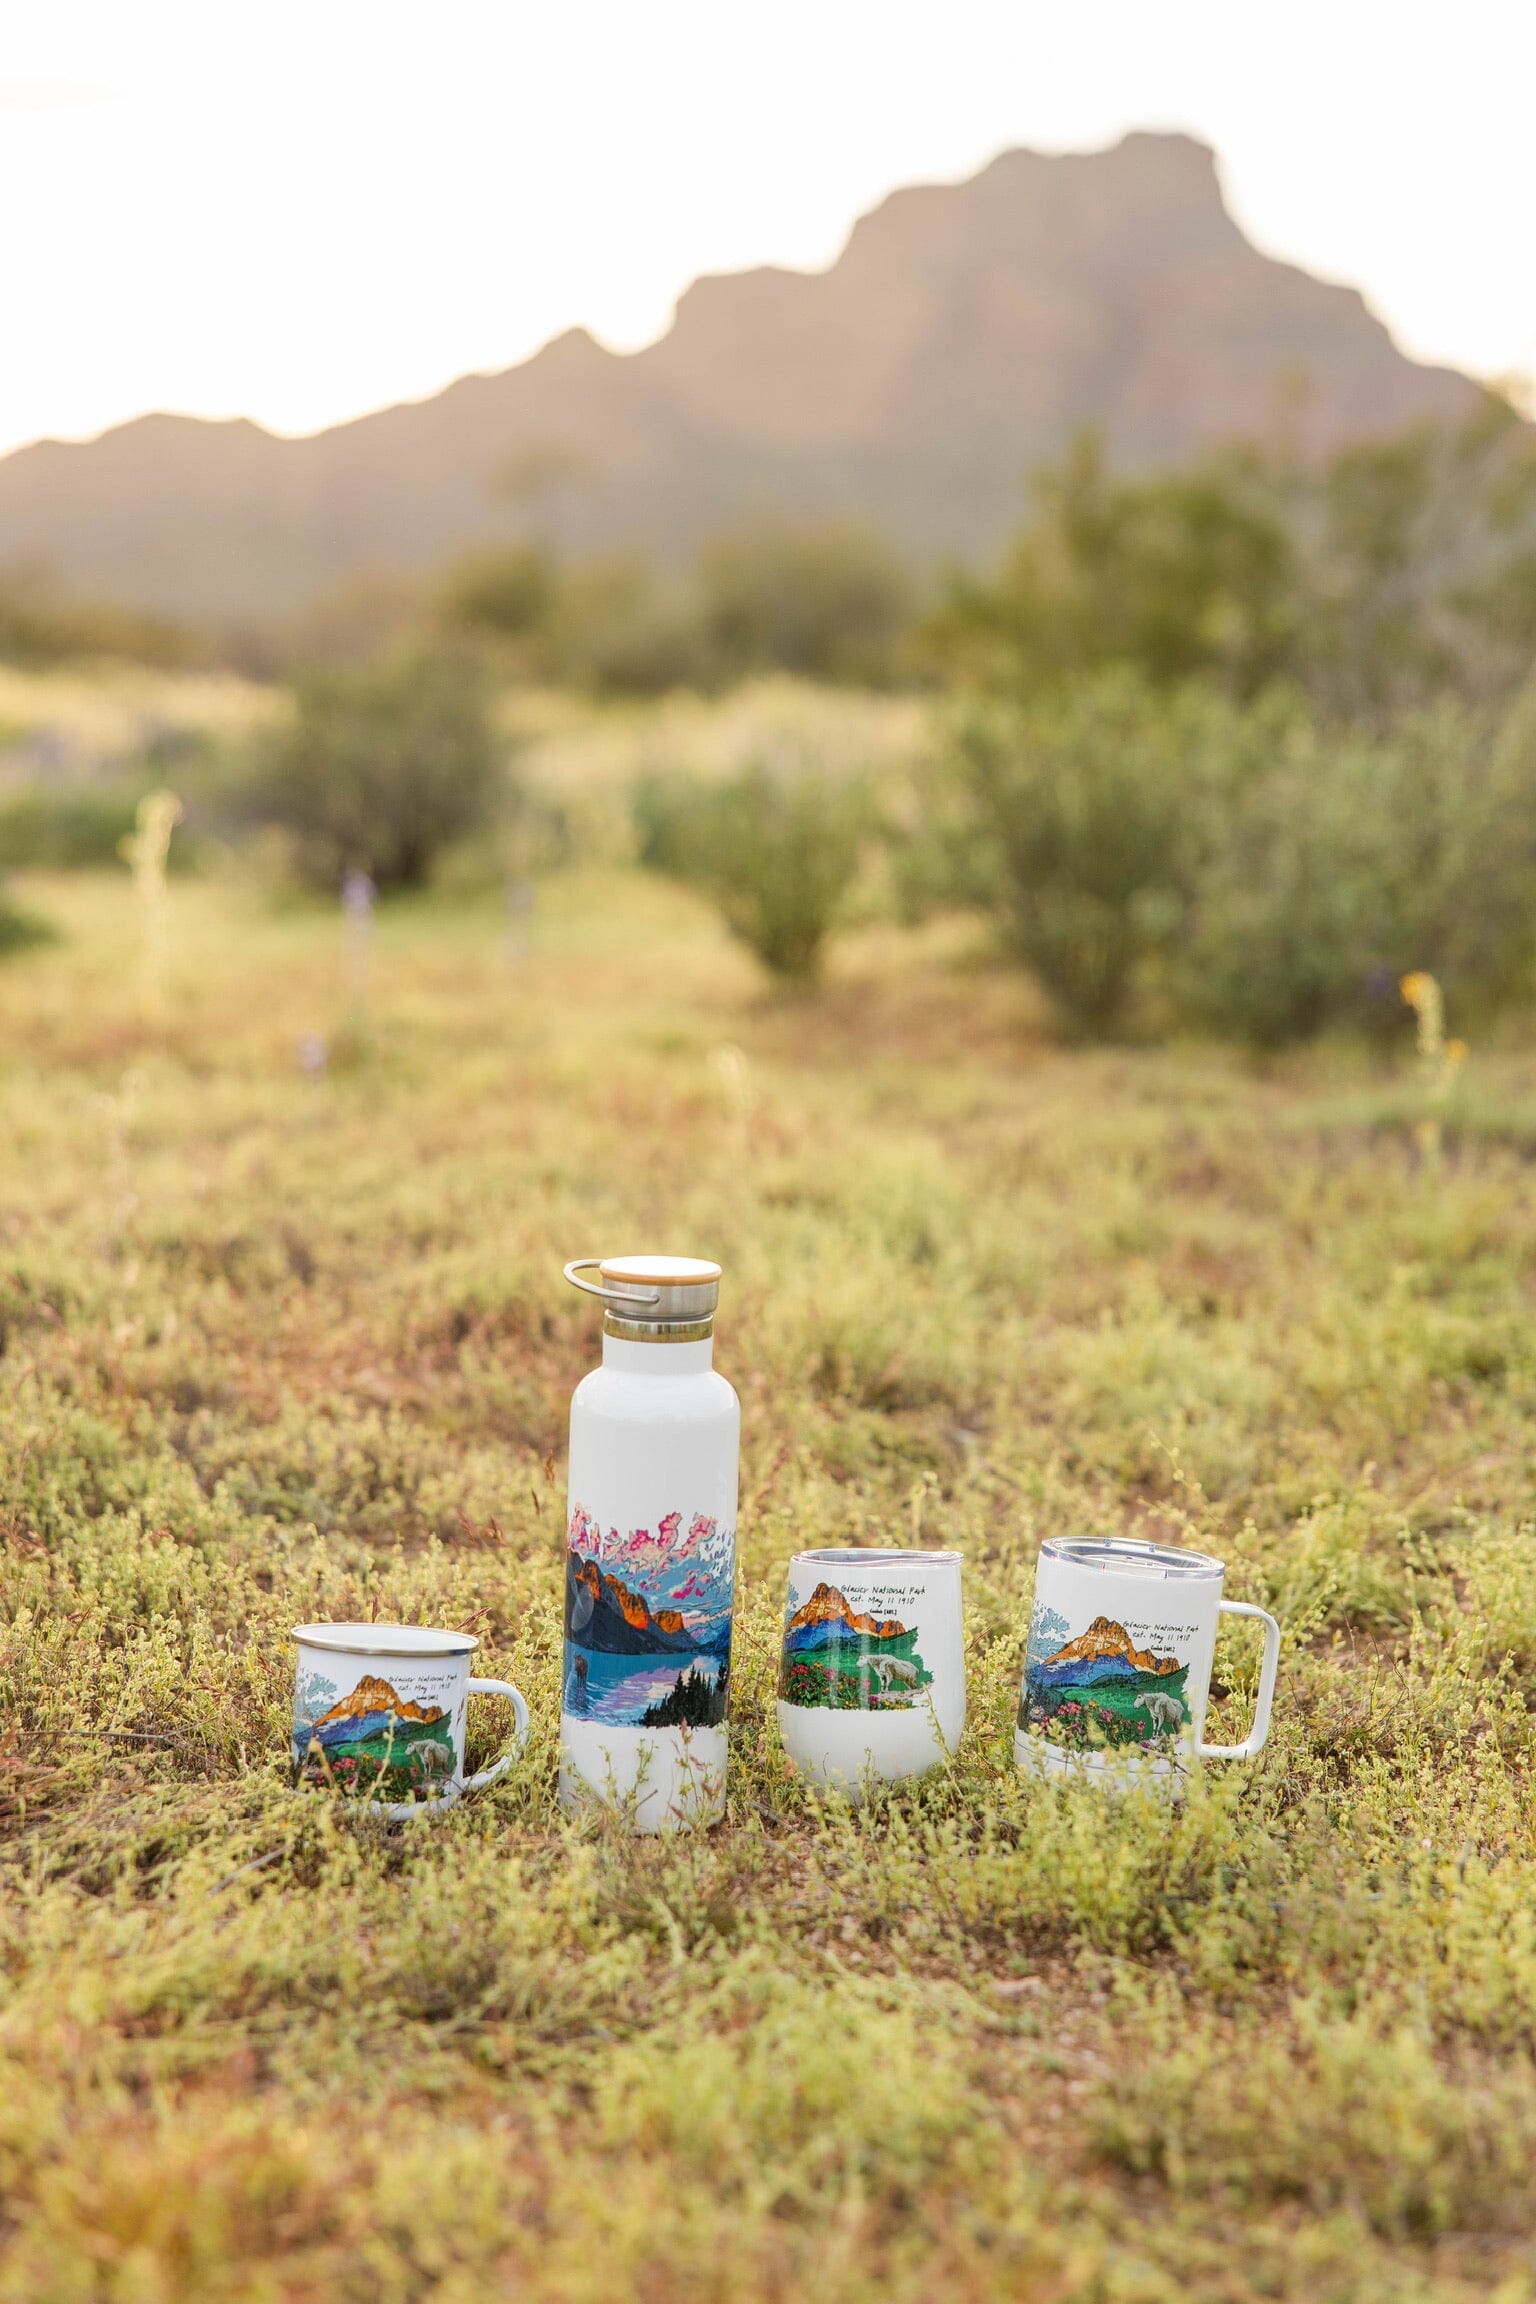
(419,1640)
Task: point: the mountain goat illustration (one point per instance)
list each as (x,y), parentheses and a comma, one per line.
(1164,1712)
(890,1674)
(434,1757)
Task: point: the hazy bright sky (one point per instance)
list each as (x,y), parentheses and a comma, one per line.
(300,209)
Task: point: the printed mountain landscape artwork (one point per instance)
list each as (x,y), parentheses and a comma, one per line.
(1101,1689)
(372,1741)
(835,1657)
(648,1622)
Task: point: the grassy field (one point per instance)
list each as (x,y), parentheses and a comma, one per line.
(281,1345)
(112,712)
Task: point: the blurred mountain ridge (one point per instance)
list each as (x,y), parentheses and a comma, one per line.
(964,333)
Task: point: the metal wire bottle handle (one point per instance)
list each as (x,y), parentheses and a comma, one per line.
(630,1296)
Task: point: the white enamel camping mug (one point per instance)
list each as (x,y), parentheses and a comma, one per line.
(872,1671)
(379,1713)
(1117,1673)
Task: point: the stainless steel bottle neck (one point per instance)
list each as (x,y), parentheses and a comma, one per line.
(658,1331)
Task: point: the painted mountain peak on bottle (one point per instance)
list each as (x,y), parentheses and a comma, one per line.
(603,1613)
(648,1621)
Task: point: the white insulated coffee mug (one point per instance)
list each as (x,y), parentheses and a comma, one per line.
(1117,1673)
(379,1714)
(872,1670)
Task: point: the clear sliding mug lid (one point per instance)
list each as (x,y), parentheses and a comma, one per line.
(1123,1556)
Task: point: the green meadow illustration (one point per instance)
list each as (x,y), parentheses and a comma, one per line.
(834,1657)
(1101,1689)
(372,1742)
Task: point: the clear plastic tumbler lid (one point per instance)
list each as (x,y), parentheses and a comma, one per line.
(1128,1556)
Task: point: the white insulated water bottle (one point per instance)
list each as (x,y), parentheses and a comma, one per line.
(650,1564)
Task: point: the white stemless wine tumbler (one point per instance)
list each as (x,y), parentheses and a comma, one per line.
(872,1670)
(379,1714)
(1117,1673)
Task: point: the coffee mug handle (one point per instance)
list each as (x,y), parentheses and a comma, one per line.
(519,1731)
(1265,1698)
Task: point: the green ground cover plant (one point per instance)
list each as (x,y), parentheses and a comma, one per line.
(283,1343)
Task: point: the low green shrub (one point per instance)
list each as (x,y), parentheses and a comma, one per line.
(828,602)
(50,831)
(833,602)
(507,591)
(1396,572)
(383,767)
(1289,926)
(776,850)
(614,630)
(1081,797)
(1346,863)
(1182,575)
(1241,868)
(41,625)
(21,928)
(1078,819)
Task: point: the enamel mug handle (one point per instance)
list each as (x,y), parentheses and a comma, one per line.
(1265,1698)
(519,1731)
